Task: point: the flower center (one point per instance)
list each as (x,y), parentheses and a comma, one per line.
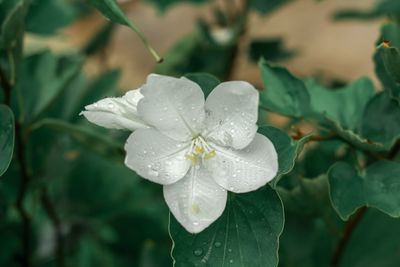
(199,150)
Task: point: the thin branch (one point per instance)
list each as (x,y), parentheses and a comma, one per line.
(23,189)
(348,230)
(55,220)
(7,87)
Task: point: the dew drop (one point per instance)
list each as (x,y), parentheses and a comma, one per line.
(198,252)
(217,244)
(225,109)
(110,105)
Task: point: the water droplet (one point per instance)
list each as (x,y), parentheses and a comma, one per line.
(110,105)
(230,261)
(198,252)
(165,108)
(217,244)
(225,109)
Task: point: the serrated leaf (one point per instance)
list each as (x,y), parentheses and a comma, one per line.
(6,137)
(287,149)
(377,186)
(283,93)
(381,120)
(247,234)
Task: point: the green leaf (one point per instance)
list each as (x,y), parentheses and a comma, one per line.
(381,8)
(266,6)
(197,52)
(92,140)
(111,10)
(381,120)
(45,77)
(283,92)
(377,186)
(287,149)
(344,105)
(373,242)
(246,234)
(6,137)
(269,49)
(12,26)
(309,197)
(385,65)
(163,5)
(47,16)
(340,110)
(207,82)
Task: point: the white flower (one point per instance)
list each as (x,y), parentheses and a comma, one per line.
(197,149)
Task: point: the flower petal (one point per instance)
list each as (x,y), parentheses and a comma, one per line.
(232,110)
(116,112)
(173,106)
(247,169)
(196,201)
(156,157)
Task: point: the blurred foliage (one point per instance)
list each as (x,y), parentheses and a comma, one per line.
(66,198)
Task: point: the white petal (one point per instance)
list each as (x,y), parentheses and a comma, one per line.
(232,110)
(247,169)
(156,157)
(196,201)
(116,112)
(173,106)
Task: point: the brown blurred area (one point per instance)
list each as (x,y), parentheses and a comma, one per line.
(338,50)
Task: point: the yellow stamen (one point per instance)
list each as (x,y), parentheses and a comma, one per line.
(210,155)
(191,157)
(198,150)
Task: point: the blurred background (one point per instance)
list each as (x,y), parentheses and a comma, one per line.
(67,199)
(323,46)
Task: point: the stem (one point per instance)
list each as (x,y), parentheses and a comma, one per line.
(7,87)
(26,221)
(348,230)
(51,212)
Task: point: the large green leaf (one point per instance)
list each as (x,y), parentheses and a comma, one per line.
(283,93)
(381,120)
(340,110)
(377,186)
(111,10)
(286,147)
(246,234)
(47,16)
(6,137)
(373,242)
(344,105)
